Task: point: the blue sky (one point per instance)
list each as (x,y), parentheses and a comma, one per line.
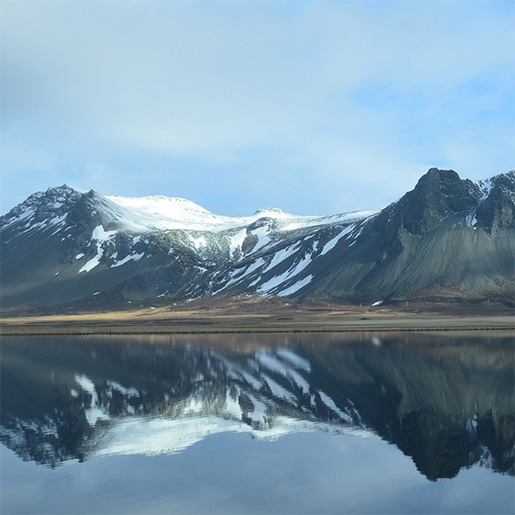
(315,107)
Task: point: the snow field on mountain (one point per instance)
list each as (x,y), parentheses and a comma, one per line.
(281,255)
(332,243)
(167,213)
(238,275)
(272,285)
(296,287)
(236,241)
(199,242)
(101,236)
(312,221)
(131,257)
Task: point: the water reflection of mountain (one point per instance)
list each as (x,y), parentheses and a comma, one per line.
(446,402)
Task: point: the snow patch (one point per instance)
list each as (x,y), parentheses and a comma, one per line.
(236,241)
(332,243)
(238,275)
(22,216)
(101,236)
(294,270)
(295,287)
(131,257)
(199,242)
(263,237)
(302,222)
(281,255)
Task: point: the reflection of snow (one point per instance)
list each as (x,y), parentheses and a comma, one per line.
(332,406)
(264,382)
(278,391)
(95,412)
(294,359)
(129,392)
(160,435)
(273,364)
(232,406)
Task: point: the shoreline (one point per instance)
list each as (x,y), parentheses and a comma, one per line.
(261,316)
(79,326)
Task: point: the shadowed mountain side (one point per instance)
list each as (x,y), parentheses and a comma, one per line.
(454,261)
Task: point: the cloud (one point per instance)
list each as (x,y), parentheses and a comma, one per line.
(356,91)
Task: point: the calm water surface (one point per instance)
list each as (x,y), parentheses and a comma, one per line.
(258,424)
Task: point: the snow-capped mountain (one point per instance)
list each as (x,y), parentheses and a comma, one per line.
(448,238)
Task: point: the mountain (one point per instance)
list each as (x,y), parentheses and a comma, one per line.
(108,396)
(448,238)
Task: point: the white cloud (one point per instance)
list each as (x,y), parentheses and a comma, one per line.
(351,89)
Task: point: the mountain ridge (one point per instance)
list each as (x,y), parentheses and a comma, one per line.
(448,238)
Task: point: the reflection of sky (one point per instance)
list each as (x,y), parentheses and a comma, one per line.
(227,473)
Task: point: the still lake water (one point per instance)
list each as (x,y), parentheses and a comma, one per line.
(312,423)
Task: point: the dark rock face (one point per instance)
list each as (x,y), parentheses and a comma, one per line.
(497,211)
(438,194)
(444,239)
(448,238)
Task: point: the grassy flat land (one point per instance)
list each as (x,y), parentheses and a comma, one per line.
(265,315)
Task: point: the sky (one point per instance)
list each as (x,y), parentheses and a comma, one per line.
(316,107)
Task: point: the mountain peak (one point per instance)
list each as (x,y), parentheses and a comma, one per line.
(66,189)
(439,178)
(160,205)
(272,212)
(437,194)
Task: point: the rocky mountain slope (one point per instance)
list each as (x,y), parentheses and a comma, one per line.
(448,238)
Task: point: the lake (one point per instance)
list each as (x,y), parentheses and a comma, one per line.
(258,423)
